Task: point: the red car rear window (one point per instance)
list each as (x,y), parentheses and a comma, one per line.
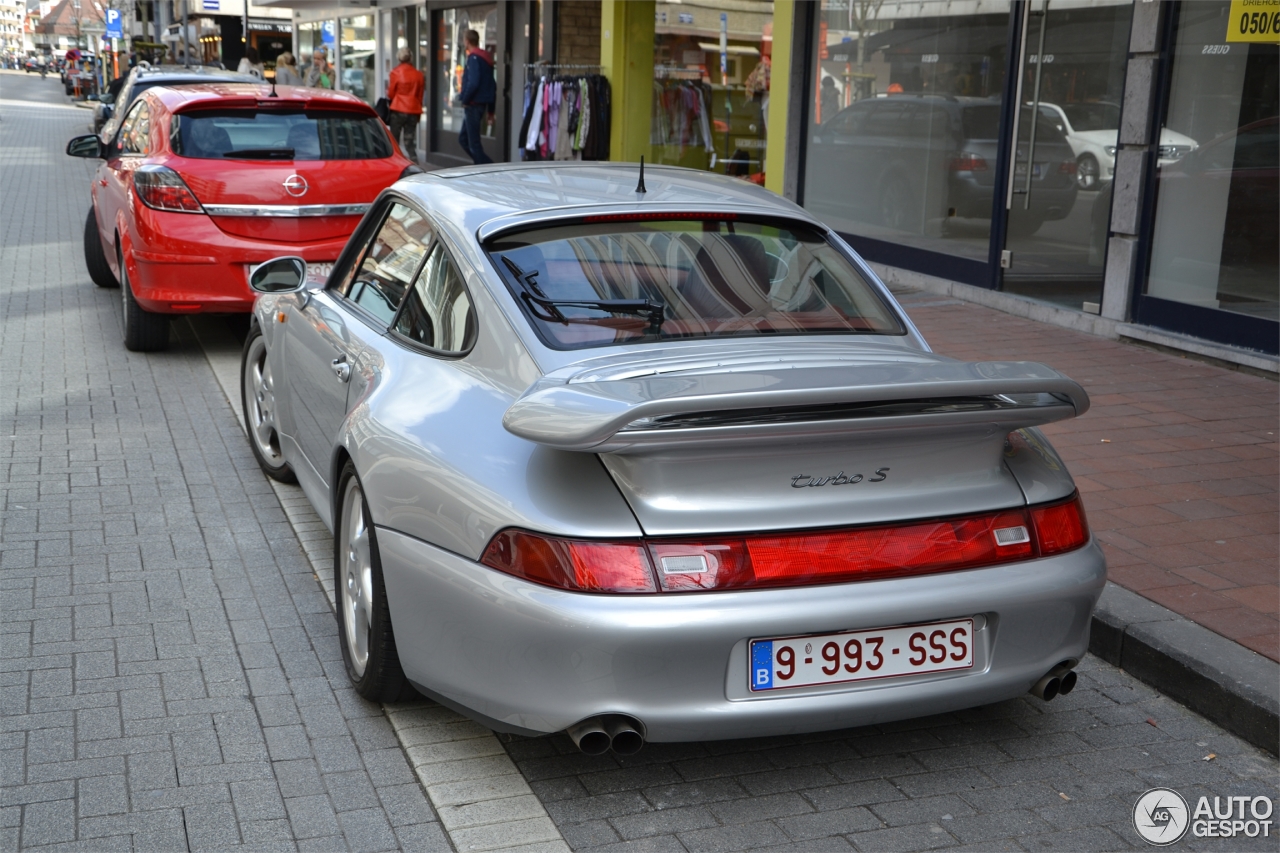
(279,135)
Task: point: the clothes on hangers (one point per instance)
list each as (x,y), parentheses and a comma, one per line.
(682,114)
(566,117)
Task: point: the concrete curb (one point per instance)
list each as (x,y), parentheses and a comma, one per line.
(1228,684)
(483,801)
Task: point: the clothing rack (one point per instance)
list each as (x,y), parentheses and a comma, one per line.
(667,72)
(555,69)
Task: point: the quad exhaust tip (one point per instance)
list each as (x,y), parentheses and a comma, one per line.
(1058,681)
(597,735)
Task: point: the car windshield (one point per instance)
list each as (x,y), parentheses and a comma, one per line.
(679,278)
(279,135)
(1092,116)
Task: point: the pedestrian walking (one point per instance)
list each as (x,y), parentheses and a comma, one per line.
(404,92)
(251,64)
(320,74)
(287,71)
(479,92)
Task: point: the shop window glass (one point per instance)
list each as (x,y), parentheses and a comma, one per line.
(312,37)
(452,46)
(1217,209)
(712,70)
(904,121)
(358,70)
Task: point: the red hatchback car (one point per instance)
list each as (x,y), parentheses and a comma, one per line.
(202,183)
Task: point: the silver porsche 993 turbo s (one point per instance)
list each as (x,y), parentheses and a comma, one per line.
(661,462)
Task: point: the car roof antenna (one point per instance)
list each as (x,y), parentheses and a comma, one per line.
(640,186)
(273,89)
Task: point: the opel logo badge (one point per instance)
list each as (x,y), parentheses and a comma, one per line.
(296,185)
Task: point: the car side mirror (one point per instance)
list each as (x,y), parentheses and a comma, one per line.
(279,275)
(86,146)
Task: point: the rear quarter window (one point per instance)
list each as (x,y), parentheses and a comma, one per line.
(279,135)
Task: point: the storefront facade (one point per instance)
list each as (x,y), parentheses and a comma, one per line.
(1136,182)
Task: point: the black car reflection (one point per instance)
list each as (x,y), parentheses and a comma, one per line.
(909,163)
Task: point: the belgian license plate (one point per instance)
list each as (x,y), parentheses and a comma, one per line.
(1020,170)
(860,655)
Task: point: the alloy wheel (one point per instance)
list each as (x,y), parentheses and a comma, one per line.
(1087,173)
(261,401)
(356,579)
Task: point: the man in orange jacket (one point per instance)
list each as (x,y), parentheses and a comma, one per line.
(404,93)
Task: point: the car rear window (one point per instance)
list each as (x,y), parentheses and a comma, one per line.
(279,135)
(685,278)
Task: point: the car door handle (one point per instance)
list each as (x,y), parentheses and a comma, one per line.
(341,368)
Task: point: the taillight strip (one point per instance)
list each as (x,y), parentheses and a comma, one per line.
(791,559)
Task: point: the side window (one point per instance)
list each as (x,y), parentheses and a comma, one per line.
(135,134)
(388,265)
(437,312)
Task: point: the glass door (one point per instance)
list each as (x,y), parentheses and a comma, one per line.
(1058,190)
(451,26)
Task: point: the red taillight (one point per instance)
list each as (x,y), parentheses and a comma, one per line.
(1068,167)
(571,564)
(161,188)
(966,162)
(1060,527)
(792,559)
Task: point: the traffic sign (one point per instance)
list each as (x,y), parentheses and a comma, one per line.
(115,24)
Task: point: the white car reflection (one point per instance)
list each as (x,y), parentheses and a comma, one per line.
(1092,130)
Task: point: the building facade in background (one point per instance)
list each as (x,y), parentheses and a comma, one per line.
(1104,157)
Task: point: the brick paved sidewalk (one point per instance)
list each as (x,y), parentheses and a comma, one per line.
(170,675)
(1177,461)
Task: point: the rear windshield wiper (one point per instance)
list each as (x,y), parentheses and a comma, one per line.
(261,154)
(533,294)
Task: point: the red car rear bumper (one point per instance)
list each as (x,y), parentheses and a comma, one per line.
(181,263)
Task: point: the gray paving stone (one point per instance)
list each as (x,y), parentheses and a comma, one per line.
(48,822)
(724,839)
(664,822)
(367,830)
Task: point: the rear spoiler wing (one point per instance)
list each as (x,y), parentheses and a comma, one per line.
(770,403)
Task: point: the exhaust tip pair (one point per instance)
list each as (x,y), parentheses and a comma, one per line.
(1058,681)
(597,735)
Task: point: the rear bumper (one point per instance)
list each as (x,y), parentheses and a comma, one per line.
(525,658)
(181,263)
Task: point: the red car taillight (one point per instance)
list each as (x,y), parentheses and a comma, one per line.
(1067,167)
(967,162)
(161,188)
(571,564)
(791,559)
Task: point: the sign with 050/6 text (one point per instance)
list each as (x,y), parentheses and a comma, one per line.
(1254,21)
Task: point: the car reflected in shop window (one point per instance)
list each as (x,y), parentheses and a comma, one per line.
(912,163)
(1092,131)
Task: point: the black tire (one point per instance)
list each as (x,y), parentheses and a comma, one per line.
(143,330)
(1024,223)
(94,258)
(897,208)
(1088,173)
(364,617)
(258,401)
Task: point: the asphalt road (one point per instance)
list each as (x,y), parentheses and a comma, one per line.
(170,675)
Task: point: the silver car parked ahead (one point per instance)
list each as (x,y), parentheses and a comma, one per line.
(661,463)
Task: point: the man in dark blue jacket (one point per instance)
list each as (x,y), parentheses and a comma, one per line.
(479,93)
